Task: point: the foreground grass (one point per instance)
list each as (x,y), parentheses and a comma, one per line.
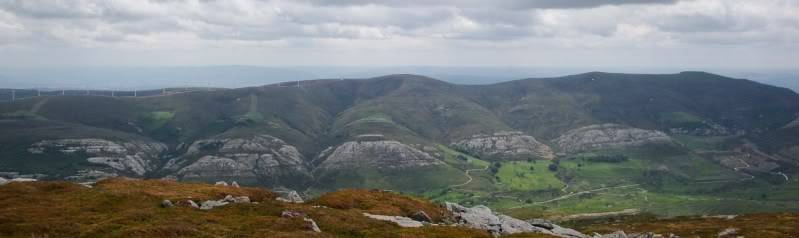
(751,225)
(127,208)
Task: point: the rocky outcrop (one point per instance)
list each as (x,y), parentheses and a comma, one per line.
(211,204)
(505,145)
(90,175)
(377,154)
(608,136)
(399,220)
(260,157)
(130,157)
(481,217)
(289,196)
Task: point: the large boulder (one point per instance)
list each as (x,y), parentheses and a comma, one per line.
(399,220)
(289,196)
(481,217)
(505,145)
(605,136)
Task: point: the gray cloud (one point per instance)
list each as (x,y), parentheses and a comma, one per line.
(508,4)
(309,29)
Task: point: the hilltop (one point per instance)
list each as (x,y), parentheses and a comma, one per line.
(530,147)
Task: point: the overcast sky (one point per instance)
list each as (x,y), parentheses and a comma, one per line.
(576,33)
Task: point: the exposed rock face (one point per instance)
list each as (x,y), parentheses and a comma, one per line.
(91,175)
(377,154)
(257,157)
(481,217)
(608,136)
(400,221)
(131,157)
(290,196)
(505,145)
(707,129)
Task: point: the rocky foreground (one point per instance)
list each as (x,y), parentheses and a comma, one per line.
(122,207)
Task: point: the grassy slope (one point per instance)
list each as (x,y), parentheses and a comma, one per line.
(122,208)
(131,208)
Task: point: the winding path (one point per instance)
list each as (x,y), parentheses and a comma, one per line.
(470,177)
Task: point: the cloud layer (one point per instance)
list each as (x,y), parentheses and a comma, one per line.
(473,32)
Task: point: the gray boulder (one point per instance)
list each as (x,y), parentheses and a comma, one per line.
(617,234)
(221,183)
(210,204)
(481,217)
(312,225)
(422,217)
(291,214)
(193,204)
(541,223)
(239,199)
(166,203)
(399,220)
(728,232)
(290,196)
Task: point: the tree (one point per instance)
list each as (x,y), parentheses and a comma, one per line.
(553,167)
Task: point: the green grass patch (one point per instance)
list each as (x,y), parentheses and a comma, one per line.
(461,160)
(156,119)
(523,175)
(679,118)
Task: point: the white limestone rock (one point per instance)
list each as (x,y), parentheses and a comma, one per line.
(131,157)
(239,158)
(377,154)
(505,145)
(608,136)
(481,217)
(312,225)
(399,220)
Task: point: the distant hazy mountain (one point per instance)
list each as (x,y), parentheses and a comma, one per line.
(130,78)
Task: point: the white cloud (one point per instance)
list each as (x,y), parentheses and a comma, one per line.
(311,28)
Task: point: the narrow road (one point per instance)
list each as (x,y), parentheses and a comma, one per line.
(584,192)
(35,108)
(470,177)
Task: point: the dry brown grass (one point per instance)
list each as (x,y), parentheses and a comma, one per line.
(751,225)
(381,202)
(131,208)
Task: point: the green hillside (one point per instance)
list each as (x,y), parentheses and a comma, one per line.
(712,123)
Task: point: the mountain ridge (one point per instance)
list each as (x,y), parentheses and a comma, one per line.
(428,133)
